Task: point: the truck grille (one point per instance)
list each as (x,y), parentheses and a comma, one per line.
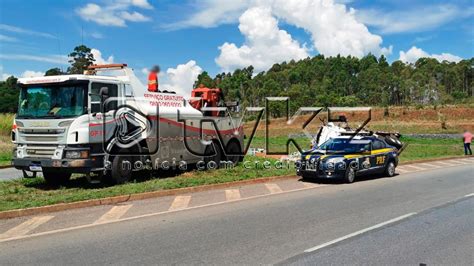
(41,139)
(40,151)
(41,135)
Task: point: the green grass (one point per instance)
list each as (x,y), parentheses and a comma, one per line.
(6,122)
(418,148)
(26,193)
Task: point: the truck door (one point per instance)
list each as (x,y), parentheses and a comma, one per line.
(100,113)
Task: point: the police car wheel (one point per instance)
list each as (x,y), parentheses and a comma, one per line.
(390,169)
(350,175)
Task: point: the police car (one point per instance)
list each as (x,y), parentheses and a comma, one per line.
(346,157)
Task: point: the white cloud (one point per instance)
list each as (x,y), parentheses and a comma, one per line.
(264,45)
(99,59)
(142,4)
(97,35)
(181,78)
(5,38)
(420,39)
(93,12)
(213,13)
(134,16)
(333,28)
(415,53)
(26,31)
(414,19)
(32,74)
(56,59)
(115,13)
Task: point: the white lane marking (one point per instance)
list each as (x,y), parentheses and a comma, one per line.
(273,188)
(232,194)
(430,165)
(455,162)
(469,195)
(25,227)
(446,164)
(149,215)
(403,170)
(180,202)
(311,185)
(465,160)
(114,213)
(399,218)
(416,167)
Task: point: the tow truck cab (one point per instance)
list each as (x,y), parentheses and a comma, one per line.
(51,130)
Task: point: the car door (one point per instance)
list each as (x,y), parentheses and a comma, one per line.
(379,156)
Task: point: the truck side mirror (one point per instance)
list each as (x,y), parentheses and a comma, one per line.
(104,92)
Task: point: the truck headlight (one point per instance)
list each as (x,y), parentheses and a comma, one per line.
(77,154)
(20,152)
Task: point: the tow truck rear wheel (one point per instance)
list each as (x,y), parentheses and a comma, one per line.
(234,152)
(350,175)
(213,153)
(55,177)
(121,173)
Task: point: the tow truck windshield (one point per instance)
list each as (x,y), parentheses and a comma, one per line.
(345,146)
(52,101)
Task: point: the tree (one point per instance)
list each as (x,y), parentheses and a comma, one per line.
(54,72)
(205,80)
(81,58)
(9,95)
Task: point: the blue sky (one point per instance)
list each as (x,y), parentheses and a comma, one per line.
(221,35)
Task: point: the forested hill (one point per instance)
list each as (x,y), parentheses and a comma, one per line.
(349,81)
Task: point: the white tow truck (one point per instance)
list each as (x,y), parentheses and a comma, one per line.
(110,126)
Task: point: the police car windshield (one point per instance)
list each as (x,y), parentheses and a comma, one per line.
(345,146)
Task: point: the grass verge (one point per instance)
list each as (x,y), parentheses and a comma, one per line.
(25,193)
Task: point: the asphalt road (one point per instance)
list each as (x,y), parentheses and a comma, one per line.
(432,214)
(10,174)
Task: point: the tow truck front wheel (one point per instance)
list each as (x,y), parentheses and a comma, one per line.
(121,171)
(55,177)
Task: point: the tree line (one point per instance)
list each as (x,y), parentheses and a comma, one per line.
(349,81)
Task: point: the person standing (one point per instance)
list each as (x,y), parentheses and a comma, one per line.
(467,138)
(153,79)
